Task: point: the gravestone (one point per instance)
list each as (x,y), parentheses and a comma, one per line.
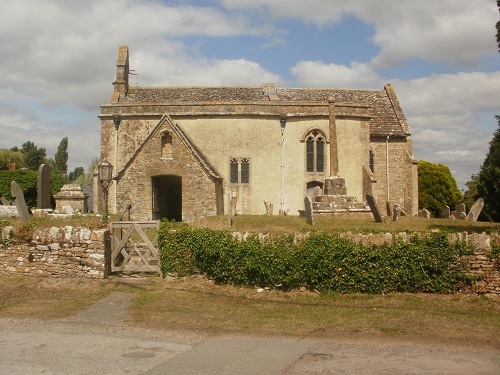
(475,210)
(234,199)
(18,195)
(43,187)
(229,212)
(445,212)
(379,218)
(426,214)
(269,207)
(461,213)
(5,202)
(395,213)
(309,211)
(388,208)
(316,191)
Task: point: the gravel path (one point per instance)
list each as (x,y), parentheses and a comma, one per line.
(97,341)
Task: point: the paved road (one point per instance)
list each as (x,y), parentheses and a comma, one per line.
(98,342)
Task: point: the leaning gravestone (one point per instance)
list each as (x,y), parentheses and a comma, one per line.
(5,202)
(309,211)
(475,210)
(375,211)
(43,187)
(17,194)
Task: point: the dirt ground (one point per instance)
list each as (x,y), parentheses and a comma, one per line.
(97,340)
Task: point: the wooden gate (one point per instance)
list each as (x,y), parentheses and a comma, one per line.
(134,246)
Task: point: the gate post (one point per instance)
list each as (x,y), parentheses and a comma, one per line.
(106,240)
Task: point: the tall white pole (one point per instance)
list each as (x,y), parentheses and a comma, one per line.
(116,123)
(283,125)
(387,165)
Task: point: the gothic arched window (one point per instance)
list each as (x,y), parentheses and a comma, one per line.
(239,171)
(315,152)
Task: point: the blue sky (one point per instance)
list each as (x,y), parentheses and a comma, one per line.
(58,62)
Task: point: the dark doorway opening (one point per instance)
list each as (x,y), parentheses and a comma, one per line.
(167,197)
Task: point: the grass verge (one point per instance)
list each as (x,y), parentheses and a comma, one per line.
(197,305)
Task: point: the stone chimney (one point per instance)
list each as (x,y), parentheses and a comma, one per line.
(122,71)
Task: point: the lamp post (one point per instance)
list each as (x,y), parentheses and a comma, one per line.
(105,178)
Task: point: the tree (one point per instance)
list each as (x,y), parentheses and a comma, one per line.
(498,27)
(489,178)
(76,173)
(27,180)
(7,155)
(61,157)
(85,179)
(33,156)
(471,194)
(436,187)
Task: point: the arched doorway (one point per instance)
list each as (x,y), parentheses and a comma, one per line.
(167,197)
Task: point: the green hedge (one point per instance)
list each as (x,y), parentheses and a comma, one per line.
(27,181)
(322,261)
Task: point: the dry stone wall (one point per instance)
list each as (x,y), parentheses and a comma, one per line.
(58,252)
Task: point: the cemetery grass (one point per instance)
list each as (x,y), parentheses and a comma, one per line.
(196,305)
(288,224)
(291,224)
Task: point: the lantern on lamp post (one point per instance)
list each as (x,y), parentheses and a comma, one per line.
(105,179)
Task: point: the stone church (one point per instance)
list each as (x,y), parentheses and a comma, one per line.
(184,152)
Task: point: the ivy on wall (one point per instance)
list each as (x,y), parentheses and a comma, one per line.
(324,262)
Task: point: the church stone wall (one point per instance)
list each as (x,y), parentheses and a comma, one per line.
(259,140)
(401,174)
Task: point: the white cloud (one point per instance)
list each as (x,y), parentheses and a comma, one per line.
(179,67)
(57,49)
(456,32)
(319,74)
(452,117)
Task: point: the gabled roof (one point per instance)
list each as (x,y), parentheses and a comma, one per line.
(191,147)
(383,106)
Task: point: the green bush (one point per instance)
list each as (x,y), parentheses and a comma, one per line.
(27,181)
(322,261)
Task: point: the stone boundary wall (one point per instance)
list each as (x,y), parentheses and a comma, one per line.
(82,252)
(58,252)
